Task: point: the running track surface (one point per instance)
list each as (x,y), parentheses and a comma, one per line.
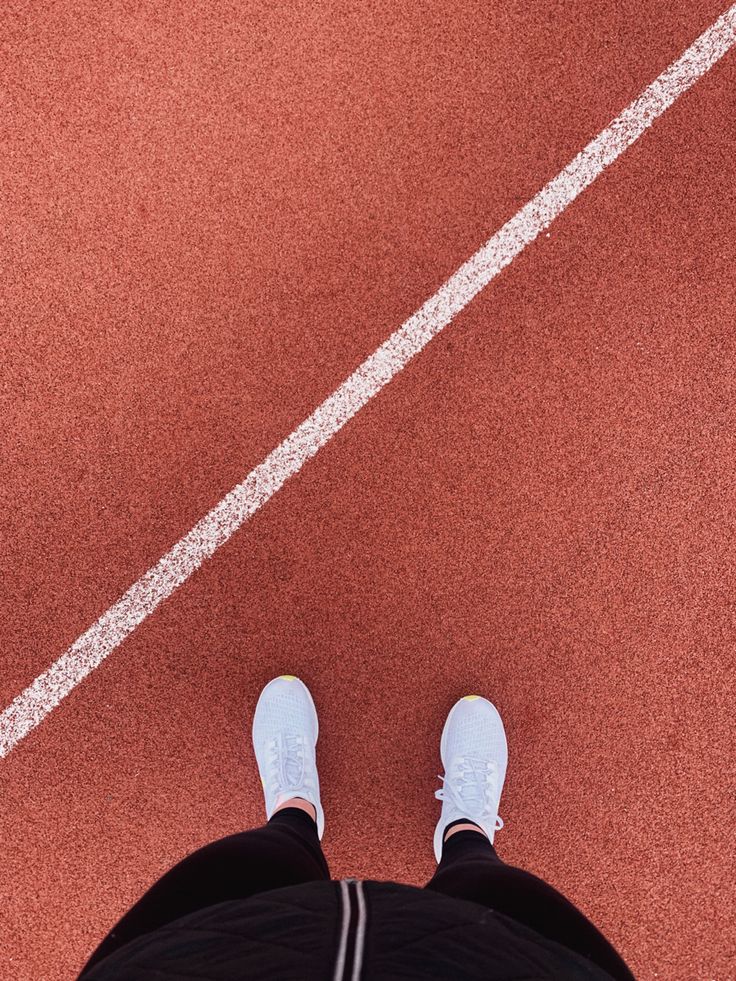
(211,216)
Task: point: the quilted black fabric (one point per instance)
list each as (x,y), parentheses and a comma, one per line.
(291,934)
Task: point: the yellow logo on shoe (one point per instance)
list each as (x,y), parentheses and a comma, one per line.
(470,698)
(288,677)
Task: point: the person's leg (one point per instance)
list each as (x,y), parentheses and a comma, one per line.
(286,851)
(470,869)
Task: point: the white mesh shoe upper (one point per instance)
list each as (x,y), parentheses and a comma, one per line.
(475,755)
(285,731)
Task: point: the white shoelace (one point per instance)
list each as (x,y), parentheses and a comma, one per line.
(287,764)
(472,790)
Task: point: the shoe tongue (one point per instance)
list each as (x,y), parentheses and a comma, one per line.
(472,788)
(292,762)
(472,801)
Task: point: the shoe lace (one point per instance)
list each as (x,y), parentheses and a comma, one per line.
(471,788)
(287,763)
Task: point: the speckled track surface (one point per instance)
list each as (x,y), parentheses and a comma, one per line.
(211,216)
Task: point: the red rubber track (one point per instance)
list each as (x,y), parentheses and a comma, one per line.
(212,213)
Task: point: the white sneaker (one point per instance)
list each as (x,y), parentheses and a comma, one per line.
(285,730)
(474,754)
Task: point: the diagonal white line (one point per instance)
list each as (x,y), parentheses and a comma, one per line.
(50,688)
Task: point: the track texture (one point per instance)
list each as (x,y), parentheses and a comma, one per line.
(211,216)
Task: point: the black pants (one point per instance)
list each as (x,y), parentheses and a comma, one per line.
(287,852)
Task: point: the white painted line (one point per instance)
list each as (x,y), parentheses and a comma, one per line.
(85,654)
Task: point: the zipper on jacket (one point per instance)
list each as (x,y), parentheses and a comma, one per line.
(350,951)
